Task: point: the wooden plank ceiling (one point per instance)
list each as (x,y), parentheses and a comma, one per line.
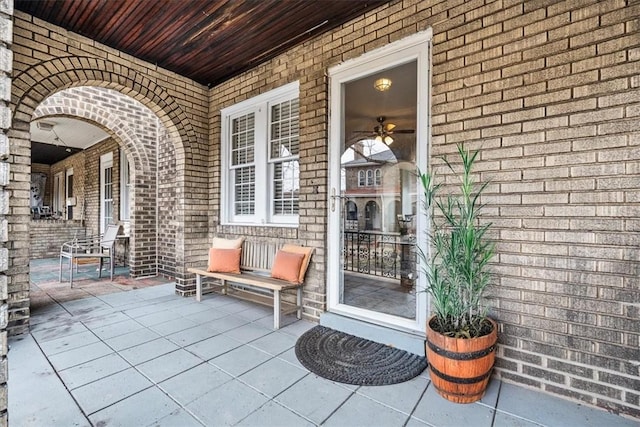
(208,41)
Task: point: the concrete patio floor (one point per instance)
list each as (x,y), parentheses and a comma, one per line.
(146,357)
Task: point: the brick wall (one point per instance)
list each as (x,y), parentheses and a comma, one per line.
(47,236)
(549,92)
(166,199)
(12,179)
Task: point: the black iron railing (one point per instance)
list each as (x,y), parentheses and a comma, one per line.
(379,254)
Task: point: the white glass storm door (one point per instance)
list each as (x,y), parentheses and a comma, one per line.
(106,191)
(379,135)
(58,193)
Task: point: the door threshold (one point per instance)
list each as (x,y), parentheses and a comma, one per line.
(411,342)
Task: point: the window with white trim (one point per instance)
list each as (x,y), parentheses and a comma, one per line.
(260,149)
(361,179)
(378,174)
(369,177)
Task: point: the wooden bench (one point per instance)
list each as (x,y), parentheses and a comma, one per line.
(257,258)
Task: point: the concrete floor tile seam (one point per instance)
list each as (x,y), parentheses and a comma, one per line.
(92,381)
(262,393)
(114,351)
(282,358)
(135,344)
(271,401)
(237,377)
(410,414)
(84,361)
(337,408)
(51,348)
(186,347)
(519,417)
(116,402)
(258,348)
(155,383)
(82,411)
(67,321)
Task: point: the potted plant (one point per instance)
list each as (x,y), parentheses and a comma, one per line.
(461,339)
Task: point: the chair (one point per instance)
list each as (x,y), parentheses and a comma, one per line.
(44,211)
(90,248)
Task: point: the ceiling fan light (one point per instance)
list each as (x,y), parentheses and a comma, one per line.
(378,138)
(382,84)
(388,140)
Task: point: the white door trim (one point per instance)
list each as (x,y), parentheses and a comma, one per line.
(416,47)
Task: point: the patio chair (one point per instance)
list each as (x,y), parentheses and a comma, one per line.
(90,248)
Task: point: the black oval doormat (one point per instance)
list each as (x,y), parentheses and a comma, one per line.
(348,359)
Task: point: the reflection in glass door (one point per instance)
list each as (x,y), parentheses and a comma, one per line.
(378,192)
(375,150)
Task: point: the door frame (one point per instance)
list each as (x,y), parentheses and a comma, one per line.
(416,47)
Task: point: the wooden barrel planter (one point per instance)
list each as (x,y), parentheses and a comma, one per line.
(460,368)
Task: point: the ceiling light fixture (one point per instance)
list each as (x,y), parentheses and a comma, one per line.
(45,126)
(382,84)
(386,139)
(59,141)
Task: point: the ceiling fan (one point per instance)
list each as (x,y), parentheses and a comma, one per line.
(383,131)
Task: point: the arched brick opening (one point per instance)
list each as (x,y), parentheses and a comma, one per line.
(32,86)
(100,117)
(142,158)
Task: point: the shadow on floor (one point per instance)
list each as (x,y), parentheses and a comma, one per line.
(45,289)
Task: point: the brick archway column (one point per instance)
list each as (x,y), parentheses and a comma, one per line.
(143,242)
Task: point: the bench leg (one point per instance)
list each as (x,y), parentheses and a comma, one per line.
(198,287)
(276,309)
(299,302)
(224,286)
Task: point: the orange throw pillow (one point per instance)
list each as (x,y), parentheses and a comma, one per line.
(304,250)
(286,266)
(224,260)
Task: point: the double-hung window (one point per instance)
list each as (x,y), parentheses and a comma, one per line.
(260,152)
